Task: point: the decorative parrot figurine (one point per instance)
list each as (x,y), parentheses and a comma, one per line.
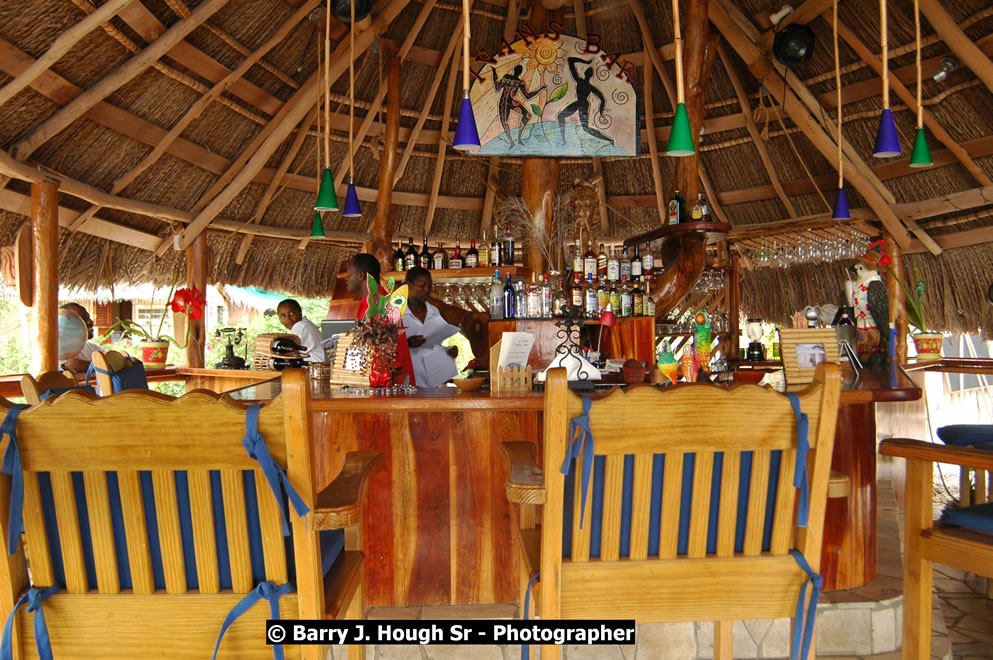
(703,340)
(667,363)
(872,309)
(396,305)
(390,305)
(689,364)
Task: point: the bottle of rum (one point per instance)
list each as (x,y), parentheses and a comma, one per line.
(472,255)
(508,247)
(613,265)
(601,263)
(648,263)
(496,296)
(484,252)
(398,258)
(637,299)
(577,259)
(456,260)
(410,257)
(625,266)
(546,299)
(577,290)
(677,209)
(425,258)
(649,305)
(590,298)
(440,258)
(589,261)
(636,263)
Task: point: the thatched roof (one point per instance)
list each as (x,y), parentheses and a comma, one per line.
(125,106)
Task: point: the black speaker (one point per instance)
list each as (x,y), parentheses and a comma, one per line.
(793,45)
(341,9)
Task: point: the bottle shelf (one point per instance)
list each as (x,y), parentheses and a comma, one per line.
(714,231)
(461,275)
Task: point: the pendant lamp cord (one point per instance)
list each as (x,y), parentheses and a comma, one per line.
(327,86)
(917,63)
(465,46)
(678,39)
(837,83)
(351,89)
(884,42)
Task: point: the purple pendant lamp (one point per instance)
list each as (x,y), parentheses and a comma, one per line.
(841,211)
(887,140)
(466,134)
(352,208)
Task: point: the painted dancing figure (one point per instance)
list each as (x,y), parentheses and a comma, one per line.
(582,103)
(508,86)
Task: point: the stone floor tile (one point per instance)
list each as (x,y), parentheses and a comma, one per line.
(744,646)
(841,631)
(975,650)
(884,637)
(948,585)
(777,640)
(667,641)
(399,613)
(892,655)
(974,623)
(758,628)
(949,571)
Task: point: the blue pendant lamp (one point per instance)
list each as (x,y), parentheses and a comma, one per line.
(352,208)
(841,211)
(466,135)
(921,155)
(681,134)
(327,200)
(887,139)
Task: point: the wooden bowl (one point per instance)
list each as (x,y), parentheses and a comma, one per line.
(469,384)
(748,376)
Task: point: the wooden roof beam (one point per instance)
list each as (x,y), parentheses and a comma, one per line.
(62,45)
(114,80)
(968,53)
(746,110)
(803,14)
(737,30)
(901,90)
(439,163)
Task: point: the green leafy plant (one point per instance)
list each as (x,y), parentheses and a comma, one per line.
(189,301)
(913,296)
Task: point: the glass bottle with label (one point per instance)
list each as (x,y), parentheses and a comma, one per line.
(559,299)
(456,260)
(286,346)
(577,258)
(496,258)
(625,266)
(410,257)
(649,305)
(521,301)
(508,247)
(546,299)
(615,298)
(627,300)
(602,295)
(425,258)
(601,263)
(509,300)
(533,295)
(440,259)
(677,209)
(590,298)
(613,265)
(577,296)
(484,252)
(472,255)
(648,263)
(589,261)
(398,258)
(637,299)
(636,263)
(496,296)
(698,210)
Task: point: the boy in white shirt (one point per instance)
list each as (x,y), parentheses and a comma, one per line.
(291,316)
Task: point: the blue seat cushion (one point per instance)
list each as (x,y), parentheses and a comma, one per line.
(332,542)
(966,435)
(56,391)
(978,517)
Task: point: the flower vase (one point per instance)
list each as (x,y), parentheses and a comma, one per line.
(379,370)
(154,354)
(928,345)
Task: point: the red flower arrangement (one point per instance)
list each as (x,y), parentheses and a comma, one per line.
(188,301)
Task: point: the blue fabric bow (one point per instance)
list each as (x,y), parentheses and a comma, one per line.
(271,593)
(12,465)
(255,445)
(800,479)
(527,602)
(56,391)
(576,447)
(805,624)
(33,598)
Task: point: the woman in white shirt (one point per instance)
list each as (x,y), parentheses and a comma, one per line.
(434,364)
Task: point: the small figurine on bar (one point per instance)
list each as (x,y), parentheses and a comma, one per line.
(667,363)
(703,340)
(689,364)
(872,306)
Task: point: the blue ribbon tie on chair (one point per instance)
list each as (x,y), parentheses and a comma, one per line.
(255,445)
(12,465)
(271,593)
(34,597)
(800,478)
(56,391)
(527,601)
(804,624)
(581,444)
(131,377)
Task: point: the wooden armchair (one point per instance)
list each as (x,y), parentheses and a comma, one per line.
(50,381)
(166,521)
(117,372)
(961,545)
(707,528)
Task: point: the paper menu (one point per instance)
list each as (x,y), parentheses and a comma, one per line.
(515,348)
(435,333)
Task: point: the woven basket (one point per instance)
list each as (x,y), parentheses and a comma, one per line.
(351,363)
(262,353)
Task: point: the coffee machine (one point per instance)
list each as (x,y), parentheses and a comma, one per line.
(756,352)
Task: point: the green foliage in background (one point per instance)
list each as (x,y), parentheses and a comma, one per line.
(314,309)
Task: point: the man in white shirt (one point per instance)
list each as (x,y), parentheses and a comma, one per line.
(291,316)
(80,362)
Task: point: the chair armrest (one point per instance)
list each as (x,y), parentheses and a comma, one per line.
(339,504)
(928,451)
(526,483)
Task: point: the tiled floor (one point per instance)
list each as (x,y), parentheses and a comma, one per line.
(968,615)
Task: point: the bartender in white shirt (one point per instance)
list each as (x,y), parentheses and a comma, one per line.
(291,316)
(434,364)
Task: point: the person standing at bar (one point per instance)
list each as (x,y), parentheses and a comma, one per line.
(434,364)
(292,318)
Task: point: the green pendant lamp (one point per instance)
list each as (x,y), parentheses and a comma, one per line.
(327,200)
(681,135)
(317,228)
(921,155)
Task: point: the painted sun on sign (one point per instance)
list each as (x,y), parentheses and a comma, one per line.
(554,95)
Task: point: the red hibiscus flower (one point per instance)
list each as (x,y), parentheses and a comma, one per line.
(188,301)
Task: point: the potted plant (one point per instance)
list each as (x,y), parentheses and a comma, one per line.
(928,343)
(154,346)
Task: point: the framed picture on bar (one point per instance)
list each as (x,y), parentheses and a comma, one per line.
(803,349)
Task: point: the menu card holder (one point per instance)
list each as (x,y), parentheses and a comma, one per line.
(512,378)
(351,364)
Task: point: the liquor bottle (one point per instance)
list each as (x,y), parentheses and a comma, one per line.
(425,258)
(440,259)
(601,263)
(577,259)
(589,261)
(696,209)
(649,306)
(577,290)
(613,265)
(615,298)
(280,363)
(590,298)
(520,300)
(496,258)
(410,257)
(533,294)
(508,247)
(625,266)
(677,209)
(398,259)
(484,252)
(286,346)
(472,256)
(509,300)
(602,295)
(637,300)
(627,300)
(648,263)
(636,263)
(496,296)
(456,260)
(559,300)
(546,299)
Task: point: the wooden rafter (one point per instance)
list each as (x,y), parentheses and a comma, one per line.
(958,42)
(294,110)
(439,163)
(115,80)
(803,14)
(753,131)
(653,147)
(62,45)
(936,129)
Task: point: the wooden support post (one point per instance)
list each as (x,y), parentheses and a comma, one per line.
(734,309)
(382,225)
(196,276)
(539,188)
(898,299)
(45,253)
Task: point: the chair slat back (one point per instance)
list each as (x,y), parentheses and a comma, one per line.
(33,388)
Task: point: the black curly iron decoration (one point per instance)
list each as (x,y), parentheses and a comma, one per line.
(568,325)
